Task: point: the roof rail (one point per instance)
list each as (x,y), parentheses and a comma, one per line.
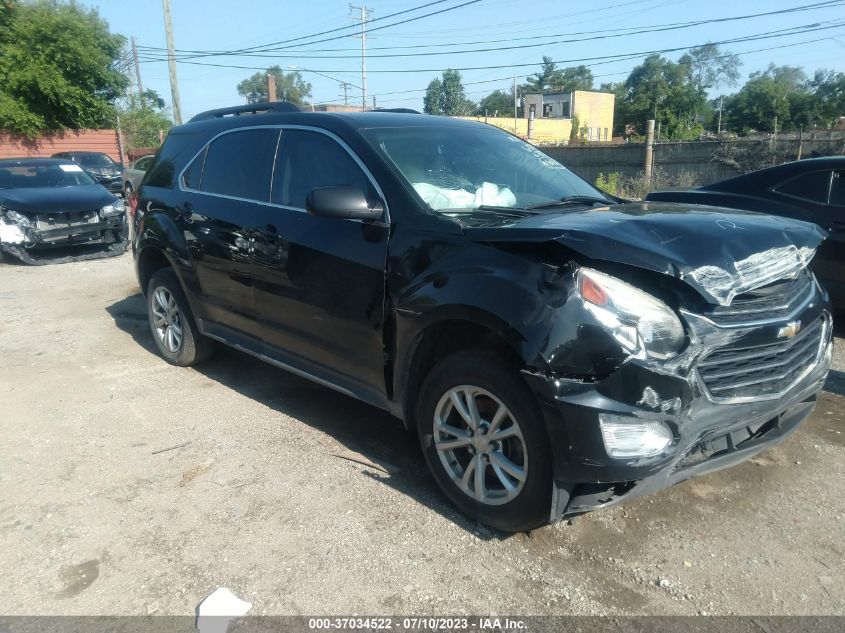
(397,110)
(250,108)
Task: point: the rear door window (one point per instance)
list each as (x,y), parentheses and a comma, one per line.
(813,187)
(307,160)
(240,164)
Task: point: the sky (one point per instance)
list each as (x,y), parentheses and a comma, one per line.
(511,35)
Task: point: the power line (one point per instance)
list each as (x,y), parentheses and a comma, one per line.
(337,37)
(607,34)
(604,59)
(602,76)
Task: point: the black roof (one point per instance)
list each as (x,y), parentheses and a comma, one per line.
(211,122)
(82,153)
(33,162)
(770,176)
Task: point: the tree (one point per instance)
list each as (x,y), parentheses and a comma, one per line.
(660,89)
(432,101)
(551,78)
(769,98)
(574,78)
(143,121)
(709,67)
(446,96)
(543,80)
(289,87)
(57,67)
(497,103)
(828,89)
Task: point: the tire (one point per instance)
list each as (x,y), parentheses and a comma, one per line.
(505,502)
(172,324)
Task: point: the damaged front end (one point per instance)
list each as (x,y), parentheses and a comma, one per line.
(36,237)
(681,345)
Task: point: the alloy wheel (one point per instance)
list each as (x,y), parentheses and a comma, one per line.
(480,444)
(167,319)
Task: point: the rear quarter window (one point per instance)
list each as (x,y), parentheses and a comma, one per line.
(813,187)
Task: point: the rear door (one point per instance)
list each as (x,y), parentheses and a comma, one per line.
(222,188)
(319,282)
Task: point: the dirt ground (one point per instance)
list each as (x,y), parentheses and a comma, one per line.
(97,518)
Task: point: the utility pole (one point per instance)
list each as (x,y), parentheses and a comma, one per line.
(719,125)
(374,102)
(514,106)
(363,17)
(649,152)
(345,87)
(171,63)
(271,87)
(137,70)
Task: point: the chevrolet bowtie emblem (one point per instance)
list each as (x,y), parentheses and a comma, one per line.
(789,330)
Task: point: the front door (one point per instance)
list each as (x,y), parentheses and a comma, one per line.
(319,282)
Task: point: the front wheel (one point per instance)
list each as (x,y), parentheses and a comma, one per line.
(485,441)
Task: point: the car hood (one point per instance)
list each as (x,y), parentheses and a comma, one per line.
(720,252)
(56,199)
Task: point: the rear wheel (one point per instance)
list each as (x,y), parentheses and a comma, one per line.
(173,327)
(485,441)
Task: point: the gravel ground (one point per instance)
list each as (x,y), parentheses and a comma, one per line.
(95,519)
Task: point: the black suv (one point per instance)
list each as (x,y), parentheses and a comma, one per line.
(556,351)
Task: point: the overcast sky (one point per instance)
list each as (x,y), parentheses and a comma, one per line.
(518,33)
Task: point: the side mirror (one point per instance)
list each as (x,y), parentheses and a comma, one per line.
(342,202)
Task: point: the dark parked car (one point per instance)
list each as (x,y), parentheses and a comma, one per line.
(105,171)
(47,203)
(812,190)
(555,351)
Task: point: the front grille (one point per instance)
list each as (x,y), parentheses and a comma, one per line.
(773,301)
(763,370)
(57,226)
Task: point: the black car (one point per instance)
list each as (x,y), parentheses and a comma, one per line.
(101,166)
(812,190)
(555,351)
(46,203)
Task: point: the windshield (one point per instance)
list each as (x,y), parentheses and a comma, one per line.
(464,168)
(31,176)
(95,160)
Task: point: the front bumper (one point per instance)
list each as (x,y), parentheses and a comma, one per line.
(709,433)
(114,184)
(29,244)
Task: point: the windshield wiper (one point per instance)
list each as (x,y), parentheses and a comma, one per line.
(569,200)
(486,207)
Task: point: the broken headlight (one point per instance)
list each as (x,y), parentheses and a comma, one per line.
(115,208)
(13,217)
(643,325)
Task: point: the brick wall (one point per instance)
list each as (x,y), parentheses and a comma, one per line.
(72,140)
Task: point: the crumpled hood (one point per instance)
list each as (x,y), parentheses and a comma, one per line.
(720,252)
(56,199)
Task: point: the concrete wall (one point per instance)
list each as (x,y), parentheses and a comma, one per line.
(694,163)
(72,140)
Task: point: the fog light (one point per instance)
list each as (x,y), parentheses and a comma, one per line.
(626,436)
